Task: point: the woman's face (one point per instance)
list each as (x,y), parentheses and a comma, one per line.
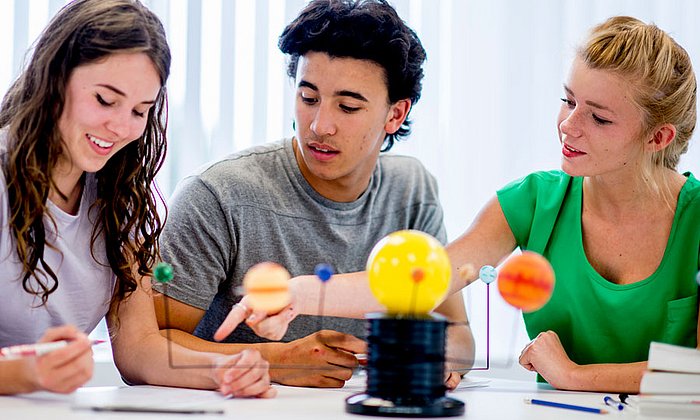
(106,107)
(599,125)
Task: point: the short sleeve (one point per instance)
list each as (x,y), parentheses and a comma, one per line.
(531,205)
(431,220)
(198,242)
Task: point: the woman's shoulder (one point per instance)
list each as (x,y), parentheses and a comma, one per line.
(549,181)
(690,193)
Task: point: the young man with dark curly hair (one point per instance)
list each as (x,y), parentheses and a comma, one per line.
(326,195)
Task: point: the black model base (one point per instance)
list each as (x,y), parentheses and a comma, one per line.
(367,405)
(405,369)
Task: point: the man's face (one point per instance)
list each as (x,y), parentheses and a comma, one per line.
(342,114)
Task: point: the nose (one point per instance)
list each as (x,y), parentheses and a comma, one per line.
(570,122)
(323,123)
(120,124)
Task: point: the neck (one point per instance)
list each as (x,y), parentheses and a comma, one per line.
(67,188)
(621,195)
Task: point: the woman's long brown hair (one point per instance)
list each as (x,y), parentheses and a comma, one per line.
(85,31)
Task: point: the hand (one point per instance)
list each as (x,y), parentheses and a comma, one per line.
(323,359)
(546,356)
(245,374)
(66,369)
(270,326)
(452,380)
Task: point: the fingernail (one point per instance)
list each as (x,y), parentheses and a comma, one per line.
(252,318)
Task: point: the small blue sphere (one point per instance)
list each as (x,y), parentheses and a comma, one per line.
(323,272)
(697,278)
(487,274)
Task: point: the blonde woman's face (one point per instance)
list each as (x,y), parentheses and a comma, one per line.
(106,107)
(599,125)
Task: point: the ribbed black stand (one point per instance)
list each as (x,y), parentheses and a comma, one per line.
(405,369)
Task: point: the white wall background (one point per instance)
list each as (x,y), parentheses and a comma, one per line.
(487,115)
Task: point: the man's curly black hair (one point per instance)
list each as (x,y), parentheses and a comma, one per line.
(365,30)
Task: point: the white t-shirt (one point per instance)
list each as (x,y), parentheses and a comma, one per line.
(84,285)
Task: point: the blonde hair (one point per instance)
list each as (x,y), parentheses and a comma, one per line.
(661,75)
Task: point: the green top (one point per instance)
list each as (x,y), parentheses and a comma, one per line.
(596,320)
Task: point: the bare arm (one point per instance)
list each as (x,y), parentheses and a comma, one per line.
(142,355)
(322,359)
(460,341)
(16,377)
(487,241)
(546,356)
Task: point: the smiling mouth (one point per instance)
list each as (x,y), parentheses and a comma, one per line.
(571,149)
(102,144)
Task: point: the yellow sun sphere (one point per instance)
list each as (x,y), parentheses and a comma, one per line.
(409,272)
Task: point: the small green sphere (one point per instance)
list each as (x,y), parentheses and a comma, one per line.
(163,272)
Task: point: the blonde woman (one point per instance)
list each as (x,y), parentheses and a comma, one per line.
(619,224)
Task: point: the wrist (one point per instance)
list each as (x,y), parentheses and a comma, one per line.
(274,354)
(577,377)
(22,376)
(303,290)
(271,352)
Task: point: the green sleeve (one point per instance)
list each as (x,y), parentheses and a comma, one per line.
(531,205)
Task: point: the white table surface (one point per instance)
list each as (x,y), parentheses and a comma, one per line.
(495,399)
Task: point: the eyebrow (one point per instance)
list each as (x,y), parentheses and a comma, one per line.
(120,93)
(590,103)
(348,93)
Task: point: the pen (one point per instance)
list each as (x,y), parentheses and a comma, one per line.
(566,406)
(161,410)
(612,402)
(38,349)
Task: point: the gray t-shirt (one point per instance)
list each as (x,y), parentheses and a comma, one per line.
(84,286)
(256,206)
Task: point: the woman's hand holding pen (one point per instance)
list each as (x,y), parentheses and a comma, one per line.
(63,370)
(245,374)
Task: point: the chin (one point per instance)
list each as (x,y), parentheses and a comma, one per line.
(570,169)
(92,167)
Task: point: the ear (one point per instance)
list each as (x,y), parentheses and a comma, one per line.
(397,115)
(661,137)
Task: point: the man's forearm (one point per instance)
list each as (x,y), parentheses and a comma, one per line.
(269,351)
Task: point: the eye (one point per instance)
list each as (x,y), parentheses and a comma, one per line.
(349,109)
(101,100)
(568,102)
(139,114)
(307,99)
(600,121)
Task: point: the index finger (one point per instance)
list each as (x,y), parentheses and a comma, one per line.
(238,314)
(63,332)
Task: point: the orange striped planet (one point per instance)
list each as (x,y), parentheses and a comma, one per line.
(526,281)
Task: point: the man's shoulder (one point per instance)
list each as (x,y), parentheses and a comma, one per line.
(251,165)
(407,167)
(400,161)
